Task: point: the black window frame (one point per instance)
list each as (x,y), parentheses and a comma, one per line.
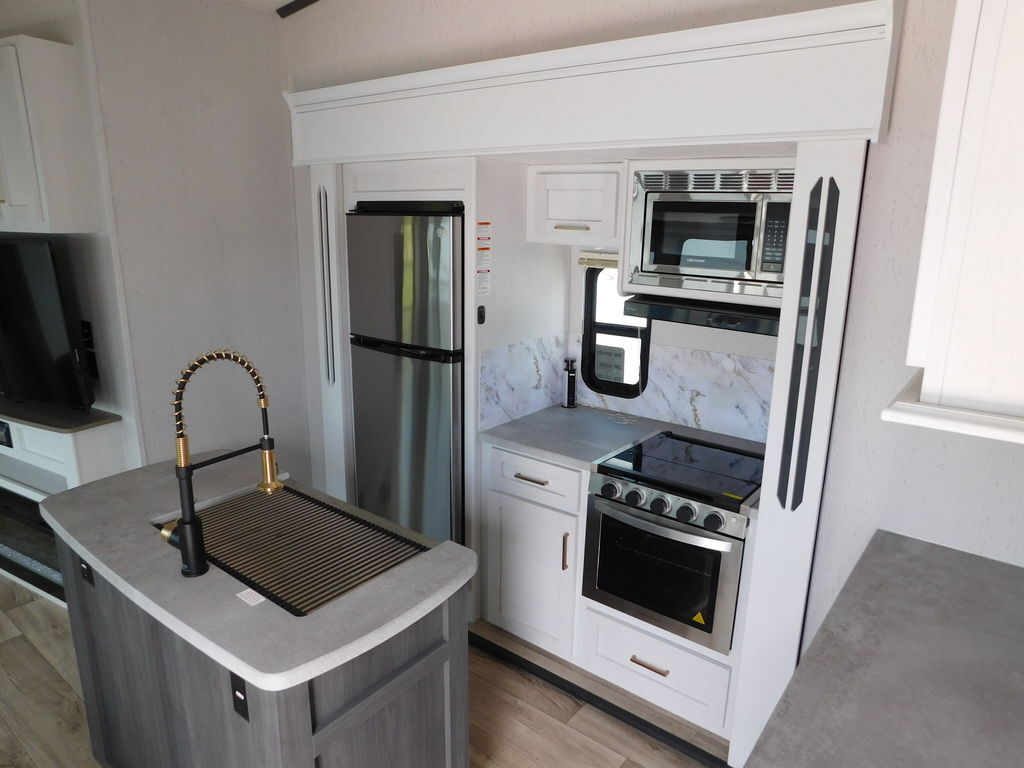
(591,327)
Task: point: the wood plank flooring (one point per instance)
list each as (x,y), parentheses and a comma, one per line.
(516,720)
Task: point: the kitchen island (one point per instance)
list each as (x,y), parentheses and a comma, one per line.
(198,672)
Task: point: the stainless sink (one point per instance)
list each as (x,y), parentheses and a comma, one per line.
(296,550)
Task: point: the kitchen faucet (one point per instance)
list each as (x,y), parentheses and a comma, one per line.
(189,529)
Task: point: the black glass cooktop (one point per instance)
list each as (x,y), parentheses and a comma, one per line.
(700,471)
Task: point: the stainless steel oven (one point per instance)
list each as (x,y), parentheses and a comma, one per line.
(671,575)
(666,524)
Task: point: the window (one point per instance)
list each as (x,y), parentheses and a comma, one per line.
(616,346)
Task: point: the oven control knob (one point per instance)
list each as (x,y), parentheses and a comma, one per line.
(635,498)
(714,521)
(686,513)
(660,505)
(610,490)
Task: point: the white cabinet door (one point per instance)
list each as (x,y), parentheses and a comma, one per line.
(965,332)
(574,205)
(19,183)
(531,571)
(48,173)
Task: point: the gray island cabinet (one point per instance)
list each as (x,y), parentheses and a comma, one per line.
(188,673)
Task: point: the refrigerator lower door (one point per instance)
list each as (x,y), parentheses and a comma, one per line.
(408,435)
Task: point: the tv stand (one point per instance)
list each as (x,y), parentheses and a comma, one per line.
(54,418)
(51,450)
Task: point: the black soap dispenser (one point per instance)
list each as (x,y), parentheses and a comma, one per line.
(569,383)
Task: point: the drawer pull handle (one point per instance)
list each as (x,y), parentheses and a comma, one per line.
(574,227)
(527,478)
(565,551)
(651,667)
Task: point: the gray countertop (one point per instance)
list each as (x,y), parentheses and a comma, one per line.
(581,436)
(108,523)
(919,664)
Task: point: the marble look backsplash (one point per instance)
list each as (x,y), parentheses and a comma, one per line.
(520,379)
(720,392)
(697,388)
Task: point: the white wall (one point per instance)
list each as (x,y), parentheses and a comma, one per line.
(529,281)
(198,144)
(879,475)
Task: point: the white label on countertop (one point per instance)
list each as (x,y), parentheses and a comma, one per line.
(251,596)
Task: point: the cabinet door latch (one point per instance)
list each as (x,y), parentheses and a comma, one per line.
(238,696)
(86,570)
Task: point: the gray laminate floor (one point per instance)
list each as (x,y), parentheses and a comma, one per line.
(516,720)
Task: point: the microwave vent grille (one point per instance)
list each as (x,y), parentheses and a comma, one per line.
(716,181)
(731,182)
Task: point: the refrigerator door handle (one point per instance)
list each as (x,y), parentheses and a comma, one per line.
(403,350)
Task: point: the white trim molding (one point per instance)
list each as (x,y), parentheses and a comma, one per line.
(783,73)
(907,408)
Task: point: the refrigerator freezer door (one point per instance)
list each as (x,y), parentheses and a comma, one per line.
(407,420)
(405,279)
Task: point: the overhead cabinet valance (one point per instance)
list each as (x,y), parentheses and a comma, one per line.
(818,74)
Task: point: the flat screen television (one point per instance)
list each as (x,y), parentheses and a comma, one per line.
(40,332)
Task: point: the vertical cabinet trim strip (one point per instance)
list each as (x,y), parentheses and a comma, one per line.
(817,332)
(807,271)
(326,288)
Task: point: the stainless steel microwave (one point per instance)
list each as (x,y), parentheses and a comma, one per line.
(713,235)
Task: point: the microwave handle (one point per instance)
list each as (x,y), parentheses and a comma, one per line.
(624,515)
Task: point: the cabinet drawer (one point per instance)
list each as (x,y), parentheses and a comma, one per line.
(674,678)
(535,480)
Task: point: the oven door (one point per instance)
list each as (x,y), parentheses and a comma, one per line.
(672,575)
(708,235)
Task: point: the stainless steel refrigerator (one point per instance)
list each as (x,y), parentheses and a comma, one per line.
(405,298)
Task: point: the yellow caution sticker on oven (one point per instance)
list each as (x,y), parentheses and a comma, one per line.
(732,495)
(699,618)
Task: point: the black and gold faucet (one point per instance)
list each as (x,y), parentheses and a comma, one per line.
(189,532)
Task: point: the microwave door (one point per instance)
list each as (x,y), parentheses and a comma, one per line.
(713,238)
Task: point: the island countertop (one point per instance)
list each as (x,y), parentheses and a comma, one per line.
(109,525)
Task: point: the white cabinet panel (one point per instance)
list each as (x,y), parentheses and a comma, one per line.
(47,161)
(531,571)
(683,682)
(19,184)
(780,543)
(574,205)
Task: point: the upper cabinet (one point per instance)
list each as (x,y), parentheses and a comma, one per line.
(575,205)
(45,144)
(966,330)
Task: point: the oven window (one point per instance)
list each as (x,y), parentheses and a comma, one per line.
(668,577)
(693,235)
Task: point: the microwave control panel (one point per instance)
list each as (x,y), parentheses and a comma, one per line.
(773,251)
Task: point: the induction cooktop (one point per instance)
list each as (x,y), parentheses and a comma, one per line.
(702,471)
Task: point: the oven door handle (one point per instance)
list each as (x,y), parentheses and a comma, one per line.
(664,530)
